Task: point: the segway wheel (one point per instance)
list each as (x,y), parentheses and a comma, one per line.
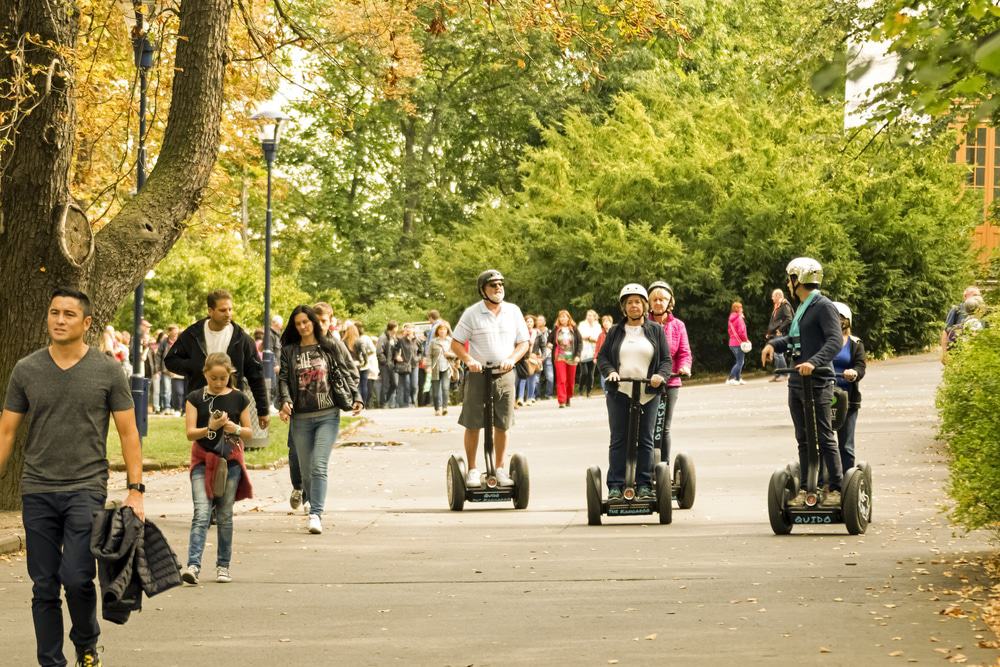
(778,493)
(594,496)
(856,501)
(455,483)
(684,473)
(522,485)
(664,499)
(795,473)
(866,467)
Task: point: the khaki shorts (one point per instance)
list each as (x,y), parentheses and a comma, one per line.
(475,395)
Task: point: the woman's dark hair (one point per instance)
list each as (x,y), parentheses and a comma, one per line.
(290,336)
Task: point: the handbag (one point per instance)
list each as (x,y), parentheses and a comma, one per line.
(219,479)
(746,346)
(340,388)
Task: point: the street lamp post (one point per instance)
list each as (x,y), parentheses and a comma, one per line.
(135,12)
(270,131)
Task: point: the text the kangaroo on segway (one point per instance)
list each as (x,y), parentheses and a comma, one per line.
(497,337)
(813,340)
(635,362)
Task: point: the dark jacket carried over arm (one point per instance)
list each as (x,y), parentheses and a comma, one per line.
(820,339)
(187,358)
(608,360)
(133,558)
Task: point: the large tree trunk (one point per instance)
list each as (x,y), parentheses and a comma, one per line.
(45,240)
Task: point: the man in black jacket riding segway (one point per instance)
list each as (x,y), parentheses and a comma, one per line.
(813,339)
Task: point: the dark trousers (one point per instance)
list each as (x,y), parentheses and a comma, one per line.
(617,457)
(388,388)
(294,473)
(667,409)
(585,375)
(403,389)
(178,393)
(828,449)
(57,529)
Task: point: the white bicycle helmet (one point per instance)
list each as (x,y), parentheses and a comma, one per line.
(844,311)
(805,270)
(632,289)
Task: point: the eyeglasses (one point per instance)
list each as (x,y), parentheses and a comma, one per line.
(495,284)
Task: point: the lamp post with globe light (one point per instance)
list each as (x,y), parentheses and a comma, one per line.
(271,121)
(136,13)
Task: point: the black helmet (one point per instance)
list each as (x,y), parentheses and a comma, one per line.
(486,277)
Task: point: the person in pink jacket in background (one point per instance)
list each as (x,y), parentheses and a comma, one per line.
(737,338)
(661,311)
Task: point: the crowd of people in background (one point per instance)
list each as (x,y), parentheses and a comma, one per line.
(411,364)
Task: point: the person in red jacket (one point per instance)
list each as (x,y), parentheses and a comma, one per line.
(566,353)
(661,311)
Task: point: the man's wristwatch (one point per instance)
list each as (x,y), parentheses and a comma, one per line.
(140,487)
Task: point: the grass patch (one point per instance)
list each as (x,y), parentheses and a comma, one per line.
(166,444)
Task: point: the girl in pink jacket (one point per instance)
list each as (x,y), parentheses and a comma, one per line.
(737,336)
(661,311)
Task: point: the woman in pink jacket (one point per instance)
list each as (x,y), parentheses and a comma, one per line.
(737,337)
(661,311)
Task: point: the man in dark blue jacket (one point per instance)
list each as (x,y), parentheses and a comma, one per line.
(813,339)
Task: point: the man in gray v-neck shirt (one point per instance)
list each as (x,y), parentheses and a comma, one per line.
(69,392)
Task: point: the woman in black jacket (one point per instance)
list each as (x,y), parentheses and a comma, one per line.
(850,366)
(634,347)
(317,379)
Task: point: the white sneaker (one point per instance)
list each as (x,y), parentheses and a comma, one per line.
(740,381)
(222,575)
(315,524)
(730,381)
(503,478)
(305,507)
(190,575)
(472,479)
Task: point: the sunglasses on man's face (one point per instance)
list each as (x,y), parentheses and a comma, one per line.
(496,284)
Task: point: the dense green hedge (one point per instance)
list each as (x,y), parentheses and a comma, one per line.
(716,193)
(969,403)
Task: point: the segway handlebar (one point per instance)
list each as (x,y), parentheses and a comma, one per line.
(795,371)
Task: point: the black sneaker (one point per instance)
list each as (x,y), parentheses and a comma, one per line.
(614,494)
(646,493)
(88,658)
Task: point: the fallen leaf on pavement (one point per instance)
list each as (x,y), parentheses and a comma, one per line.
(895,654)
(651,637)
(823,649)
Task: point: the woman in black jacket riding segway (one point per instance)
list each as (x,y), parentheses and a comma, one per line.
(813,339)
(634,347)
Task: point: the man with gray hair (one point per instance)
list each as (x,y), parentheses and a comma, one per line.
(953,321)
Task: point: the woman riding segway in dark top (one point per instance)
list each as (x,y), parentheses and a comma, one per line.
(813,339)
(634,347)
(850,365)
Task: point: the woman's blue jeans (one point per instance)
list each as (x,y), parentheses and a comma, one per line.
(313,438)
(440,388)
(203,516)
(618,405)
(403,389)
(737,370)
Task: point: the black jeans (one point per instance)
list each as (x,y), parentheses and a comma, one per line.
(667,403)
(585,377)
(618,407)
(57,529)
(829,451)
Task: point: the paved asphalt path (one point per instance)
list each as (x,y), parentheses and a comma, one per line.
(398,579)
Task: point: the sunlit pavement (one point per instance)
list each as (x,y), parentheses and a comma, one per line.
(398,578)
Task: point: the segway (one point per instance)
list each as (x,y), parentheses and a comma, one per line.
(682,487)
(630,505)
(855,509)
(489,489)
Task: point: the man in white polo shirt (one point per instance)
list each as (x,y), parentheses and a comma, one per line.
(496,334)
